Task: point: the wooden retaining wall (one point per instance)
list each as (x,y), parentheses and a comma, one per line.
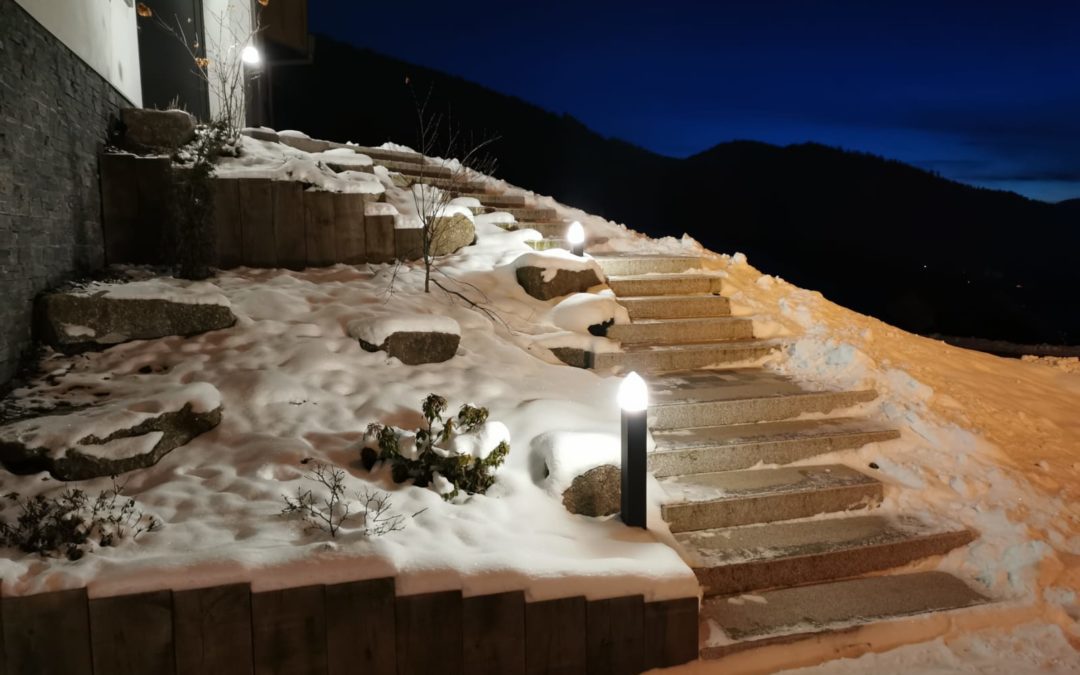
(359,627)
(258,222)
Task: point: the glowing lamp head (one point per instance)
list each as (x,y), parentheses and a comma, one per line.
(576,234)
(633,393)
(250,55)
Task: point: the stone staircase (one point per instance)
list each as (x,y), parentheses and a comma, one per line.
(784,552)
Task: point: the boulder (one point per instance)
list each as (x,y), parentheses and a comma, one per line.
(110,439)
(76,322)
(597,492)
(161,131)
(542,285)
(412,338)
(451,234)
(574,356)
(415,348)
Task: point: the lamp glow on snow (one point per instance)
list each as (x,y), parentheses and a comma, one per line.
(576,236)
(250,55)
(633,398)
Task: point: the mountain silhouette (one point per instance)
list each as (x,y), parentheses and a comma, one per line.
(927,254)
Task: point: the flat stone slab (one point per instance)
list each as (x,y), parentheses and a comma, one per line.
(627,264)
(659,358)
(731,498)
(75,322)
(665,284)
(740,559)
(718,397)
(682,331)
(113,438)
(676,306)
(792,614)
(741,446)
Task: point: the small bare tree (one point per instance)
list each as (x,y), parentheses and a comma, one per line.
(438,136)
(217,57)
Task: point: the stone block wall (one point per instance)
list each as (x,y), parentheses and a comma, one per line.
(54,112)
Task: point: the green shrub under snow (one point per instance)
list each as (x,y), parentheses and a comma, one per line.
(432,456)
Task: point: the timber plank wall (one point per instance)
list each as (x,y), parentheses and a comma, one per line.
(258,222)
(359,627)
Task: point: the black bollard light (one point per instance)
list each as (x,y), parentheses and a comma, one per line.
(575,234)
(634,401)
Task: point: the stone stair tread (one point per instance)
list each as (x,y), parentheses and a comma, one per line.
(729,486)
(802,538)
(666,276)
(719,437)
(701,305)
(795,613)
(697,386)
(631,263)
(705,344)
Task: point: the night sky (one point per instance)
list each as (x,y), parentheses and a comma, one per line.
(981,92)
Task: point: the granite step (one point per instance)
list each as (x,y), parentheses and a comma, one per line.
(635,265)
(789,615)
(774,555)
(709,398)
(444,183)
(731,498)
(676,306)
(378,154)
(493,199)
(740,446)
(548,230)
(419,170)
(657,358)
(682,331)
(525,215)
(664,284)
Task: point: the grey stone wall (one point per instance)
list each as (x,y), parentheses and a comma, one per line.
(54,110)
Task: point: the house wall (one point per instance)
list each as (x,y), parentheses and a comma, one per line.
(228,27)
(54,110)
(100,32)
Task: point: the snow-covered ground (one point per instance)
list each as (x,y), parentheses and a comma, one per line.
(988,442)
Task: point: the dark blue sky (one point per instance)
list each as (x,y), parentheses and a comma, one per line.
(982,92)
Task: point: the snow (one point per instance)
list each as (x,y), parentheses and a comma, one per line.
(376,331)
(479,442)
(138,287)
(295,384)
(579,311)
(500,217)
(280,162)
(569,454)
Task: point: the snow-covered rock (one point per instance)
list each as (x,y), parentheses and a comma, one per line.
(156,130)
(597,492)
(413,339)
(111,439)
(79,320)
(451,234)
(555,273)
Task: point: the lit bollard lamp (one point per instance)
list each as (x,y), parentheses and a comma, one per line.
(576,236)
(634,401)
